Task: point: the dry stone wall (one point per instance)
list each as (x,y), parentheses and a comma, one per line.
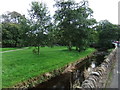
(98,77)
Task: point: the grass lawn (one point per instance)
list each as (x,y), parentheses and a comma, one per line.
(20,65)
(7,49)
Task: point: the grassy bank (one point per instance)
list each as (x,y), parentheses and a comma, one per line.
(22,65)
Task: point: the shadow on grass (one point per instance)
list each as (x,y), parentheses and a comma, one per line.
(73,50)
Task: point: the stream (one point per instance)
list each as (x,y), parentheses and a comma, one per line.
(68,80)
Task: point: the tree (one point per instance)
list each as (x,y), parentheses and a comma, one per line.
(51,35)
(107,33)
(14,29)
(10,34)
(25,28)
(63,17)
(73,22)
(83,27)
(118,32)
(40,19)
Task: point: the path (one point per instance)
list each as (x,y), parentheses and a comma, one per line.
(115,82)
(13,50)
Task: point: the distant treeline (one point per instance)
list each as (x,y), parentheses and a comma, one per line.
(71,25)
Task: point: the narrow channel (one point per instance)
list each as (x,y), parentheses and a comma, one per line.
(66,80)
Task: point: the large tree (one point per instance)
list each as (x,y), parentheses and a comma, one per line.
(73,21)
(13,29)
(40,19)
(63,17)
(107,33)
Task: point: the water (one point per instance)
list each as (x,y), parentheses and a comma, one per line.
(70,79)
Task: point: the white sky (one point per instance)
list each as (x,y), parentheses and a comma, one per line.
(103,9)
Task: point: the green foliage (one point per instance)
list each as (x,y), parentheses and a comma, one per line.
(73,23)
(118,32)
(107,33)
(14,28)
(10,34)
(40,19)
(23,64)
(51,35)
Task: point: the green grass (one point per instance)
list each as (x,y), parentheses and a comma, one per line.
(110,50)
(22,65)
(7,49)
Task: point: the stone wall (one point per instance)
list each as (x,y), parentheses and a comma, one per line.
(98,77)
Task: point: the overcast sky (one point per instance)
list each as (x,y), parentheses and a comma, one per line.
(103,9)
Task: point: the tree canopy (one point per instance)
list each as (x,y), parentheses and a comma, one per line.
(73,21)
(39,21)
(72,25)
(14,28)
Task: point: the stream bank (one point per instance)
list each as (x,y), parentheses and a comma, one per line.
(75,73)
(67,77)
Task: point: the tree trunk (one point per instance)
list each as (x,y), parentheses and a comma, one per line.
(16,44)
(38,50)
(79,49)
(70,46)
(76,48)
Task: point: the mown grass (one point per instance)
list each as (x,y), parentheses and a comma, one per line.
(22,65)
(7,49)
